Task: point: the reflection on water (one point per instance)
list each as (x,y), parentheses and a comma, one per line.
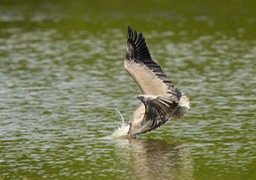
(157,159)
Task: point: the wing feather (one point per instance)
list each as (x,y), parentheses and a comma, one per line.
(158,109)
(146,72)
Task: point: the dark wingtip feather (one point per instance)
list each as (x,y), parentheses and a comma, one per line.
(137,48)
(129,32)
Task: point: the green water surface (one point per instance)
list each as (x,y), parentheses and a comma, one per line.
(62,79)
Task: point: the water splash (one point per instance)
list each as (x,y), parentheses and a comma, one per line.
(122,131)
(122,118)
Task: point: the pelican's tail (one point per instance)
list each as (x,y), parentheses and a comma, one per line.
(183,107)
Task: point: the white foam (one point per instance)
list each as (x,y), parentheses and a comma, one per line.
(122,131)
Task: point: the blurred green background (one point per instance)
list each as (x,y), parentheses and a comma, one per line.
(199,17)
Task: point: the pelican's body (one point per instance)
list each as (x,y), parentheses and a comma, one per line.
(160,100)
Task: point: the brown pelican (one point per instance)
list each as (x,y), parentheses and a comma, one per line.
(160,100)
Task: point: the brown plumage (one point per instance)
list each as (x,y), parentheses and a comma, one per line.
(160,100)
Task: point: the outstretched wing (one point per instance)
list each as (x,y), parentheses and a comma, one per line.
(147,73)
(158,109)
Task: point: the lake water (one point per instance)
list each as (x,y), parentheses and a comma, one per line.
(62,80)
